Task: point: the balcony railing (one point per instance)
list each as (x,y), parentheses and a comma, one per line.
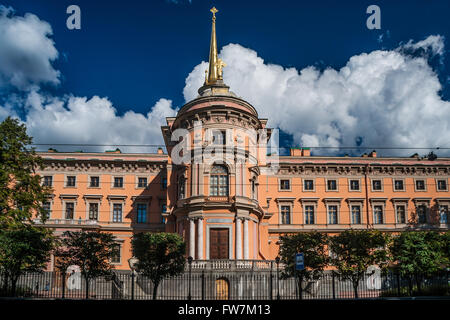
(232,265)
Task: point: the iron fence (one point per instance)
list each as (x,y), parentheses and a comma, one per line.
(214,285)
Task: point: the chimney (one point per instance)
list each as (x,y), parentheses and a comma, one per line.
(296,152)
(114,151)
(306,152)
(364,155)
(373,154)
(160,151)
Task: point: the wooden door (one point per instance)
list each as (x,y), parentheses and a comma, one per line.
(222,289)
(218,247)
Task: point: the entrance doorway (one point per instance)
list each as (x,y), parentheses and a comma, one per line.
(222,289)
(218,243)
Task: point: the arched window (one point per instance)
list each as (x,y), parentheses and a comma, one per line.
(219,181)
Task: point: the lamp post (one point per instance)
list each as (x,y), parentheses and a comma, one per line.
(132,263)
(277,261)
(190,270)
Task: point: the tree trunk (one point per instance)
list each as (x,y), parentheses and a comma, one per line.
(5,284)
(13,285)
(155,289)
(300,289)
(87,288)
(419,283)
(355,283)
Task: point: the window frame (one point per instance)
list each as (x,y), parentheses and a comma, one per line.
(394,187)
(350,184)
(66,181)
(304,180)
(280,184)
(90,182)
(113,186)
(327,186)
(381,185)
(424,184)
(220,186)
(437,184)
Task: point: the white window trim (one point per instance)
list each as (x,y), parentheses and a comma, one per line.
(396,205)
(285,204)
(361,212)
(279,185)
(114,178)
(371,184)
(446,184)
(383,208)
(337,185)
(309,203)
(88,203)
(137,182)
(314,184)
(425,183)
(66,179)
(393,185)
(350,187)
(338,205)
(48,175)
(111,210)
(99,181)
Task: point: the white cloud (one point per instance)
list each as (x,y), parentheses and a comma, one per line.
(378,99)
(94,121)
(26,51)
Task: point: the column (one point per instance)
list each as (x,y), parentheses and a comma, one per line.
(194,179)
(238,238)
(192,238)
(246,239)
(200,239)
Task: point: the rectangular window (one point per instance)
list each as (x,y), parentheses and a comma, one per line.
(141,213)
(285,185)
(285,214)
(115,256)
(332,185)
(356,214)
(142,182)
(309,185)
(398,185)
(443,213)
(422,213)
(71,180)
(46,205)
(354,185)
(442,185)
(376,185)
(332,214)
(401,214)
(309,214)
(219,137)
(70,207)
(93,211)
(48,181)
(420,185)
(378,214)
(95,182)
(118,182)
(117,212)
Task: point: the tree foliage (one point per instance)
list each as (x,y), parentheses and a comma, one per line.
(353,251)
(90,250)
(160,255)
(313,246)
(23,248)
(21,192)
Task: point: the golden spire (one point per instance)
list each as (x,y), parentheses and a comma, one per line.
(215,64)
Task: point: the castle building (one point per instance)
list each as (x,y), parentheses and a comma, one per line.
(220,189)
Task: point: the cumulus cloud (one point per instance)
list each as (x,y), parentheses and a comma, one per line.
(79,120)
(378,99)
(26,51)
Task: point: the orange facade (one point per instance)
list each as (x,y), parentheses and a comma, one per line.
(218,187)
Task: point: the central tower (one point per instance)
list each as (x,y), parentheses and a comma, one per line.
(214,169)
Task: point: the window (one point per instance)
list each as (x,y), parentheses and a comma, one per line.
(401,213)
(93,211)
(420,185)
(118,182)
(309,214)
(332,214)
(398,185)
(285,214)
(308,185)
(70,208)
(164,182)
(378,214)
(142,182)
(332,185)
(141,213)
(219,137)
(71,180)
(285,184)
(48,181)
(356,214)
(422,213)
(95,182)
(376,185)
(443,214)
(354,185)
(117,212)
(115,255)
(46,206)
(219,181)
(442,185)
(182,188)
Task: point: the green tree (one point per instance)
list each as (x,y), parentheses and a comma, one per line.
(353,251)
(90,250)
(23,248)
(312,245)
(21,192)
(416,254)
(159,255)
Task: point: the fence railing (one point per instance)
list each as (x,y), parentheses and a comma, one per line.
(203,284)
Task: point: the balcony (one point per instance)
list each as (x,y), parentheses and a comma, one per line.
(232,265)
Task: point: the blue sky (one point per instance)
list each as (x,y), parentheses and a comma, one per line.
(135,53)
